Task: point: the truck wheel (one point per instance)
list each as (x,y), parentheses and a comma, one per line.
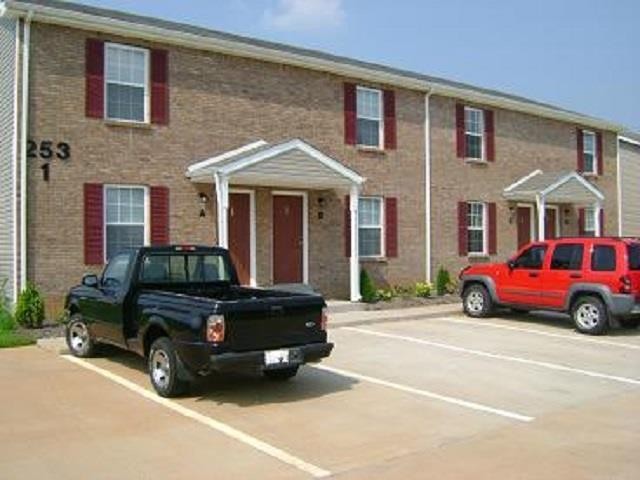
(630,323)
(476,301)
(590,315)
(163,369)
(78,337)
(281,374)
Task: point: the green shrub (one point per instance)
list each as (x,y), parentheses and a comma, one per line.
(443,279)
(422,289)
(367,288)
(30,307)
(385,294)
(7,323)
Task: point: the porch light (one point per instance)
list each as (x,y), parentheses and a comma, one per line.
(203,203)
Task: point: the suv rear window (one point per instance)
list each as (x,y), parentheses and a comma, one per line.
(634,256)
(603,258)
(567,257)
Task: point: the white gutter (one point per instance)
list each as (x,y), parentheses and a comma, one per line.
(86,21)
(629,140)
(14,167)
(427,185)
(23,147)
(619,186)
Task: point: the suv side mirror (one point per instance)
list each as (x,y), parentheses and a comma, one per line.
(90,281)
(511,264)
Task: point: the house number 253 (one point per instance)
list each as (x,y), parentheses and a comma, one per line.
(46,150)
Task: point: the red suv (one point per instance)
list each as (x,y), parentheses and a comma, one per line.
(595,280)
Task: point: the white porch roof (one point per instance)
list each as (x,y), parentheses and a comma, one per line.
(554,187)
(293,163)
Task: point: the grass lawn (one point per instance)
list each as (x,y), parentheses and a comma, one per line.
(10,339)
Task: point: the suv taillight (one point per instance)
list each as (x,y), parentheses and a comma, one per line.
(625,284)
(324,318)
(215,328)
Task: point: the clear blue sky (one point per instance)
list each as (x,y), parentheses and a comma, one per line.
(579,54)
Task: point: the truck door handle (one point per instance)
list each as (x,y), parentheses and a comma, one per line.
(534,275)
(575,275)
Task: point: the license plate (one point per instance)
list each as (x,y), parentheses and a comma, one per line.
(276,357)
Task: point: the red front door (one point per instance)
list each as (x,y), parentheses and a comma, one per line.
(240,234)
(524,226)
(550,224)
(287,239)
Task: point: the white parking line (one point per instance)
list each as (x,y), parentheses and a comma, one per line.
(425,393)
(577,337)
(223,428)
(497,356)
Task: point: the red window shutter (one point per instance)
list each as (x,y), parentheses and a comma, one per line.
(94,73)
(159,86)
(493,232)
(602,222)
(489,132)
(93,224)
(580,150)
(460,140)
(349,113)
(347,226)
(599,153)
(390,140)
(391,226)
(581,222)
(159,197)
(462,229)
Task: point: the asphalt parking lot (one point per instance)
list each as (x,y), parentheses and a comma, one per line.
(448,397)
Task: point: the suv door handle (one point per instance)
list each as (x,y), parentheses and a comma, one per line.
(575,275)
(534,275)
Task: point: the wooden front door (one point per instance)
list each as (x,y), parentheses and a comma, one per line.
(524,226)
(550,223)
(287,239)
(240,234)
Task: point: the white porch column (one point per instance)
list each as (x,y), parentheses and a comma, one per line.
(597,228)
(541,207)
(354,261)
(222,209)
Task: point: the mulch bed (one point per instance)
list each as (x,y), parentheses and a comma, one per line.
(48,330)
(408,302)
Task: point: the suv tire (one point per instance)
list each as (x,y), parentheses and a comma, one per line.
(590,315)
(78,336)
(163,369)
(476,301)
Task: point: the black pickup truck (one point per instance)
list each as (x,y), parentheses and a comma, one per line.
(181,307)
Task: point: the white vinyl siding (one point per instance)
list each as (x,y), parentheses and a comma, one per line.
(370,227)
(369,117)
(589,152)
(126,83)
(7,175)
(474,142)
(126,218)
(630,193)
(476,228)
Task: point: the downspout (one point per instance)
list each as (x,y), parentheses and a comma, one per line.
(619,186)
(14,167)
(23,148)
(427,184)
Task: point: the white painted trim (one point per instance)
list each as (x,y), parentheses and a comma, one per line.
(26,44)
(594,170)
(224,156)
(147,85)
(482,135)
(540,206)
(619,187)
(236,47)
(252,232)
(567,178)
(380,120)
(354,260)
(305,229)
(427,185)
(383,225)
(485,229)
(532,219)
(524,179)
(15,160)
(622,138)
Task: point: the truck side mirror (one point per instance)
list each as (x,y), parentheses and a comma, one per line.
(90,280)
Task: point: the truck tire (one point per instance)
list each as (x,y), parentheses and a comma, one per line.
(476,301)
(163,369)
(590,315)
(281,374)
(79,338)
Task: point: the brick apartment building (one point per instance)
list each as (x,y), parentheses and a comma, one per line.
(120,130)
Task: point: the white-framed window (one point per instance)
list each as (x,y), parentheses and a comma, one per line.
(589,152)
(476,228)
(590,222)
(369,115)
(126,214)
(370,227)
(474,133)
(126,83)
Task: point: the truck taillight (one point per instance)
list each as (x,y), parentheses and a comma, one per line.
(324,318)
(625,284)
(215,328)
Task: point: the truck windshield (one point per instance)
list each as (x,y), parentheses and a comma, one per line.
(184,268)
(634,256)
